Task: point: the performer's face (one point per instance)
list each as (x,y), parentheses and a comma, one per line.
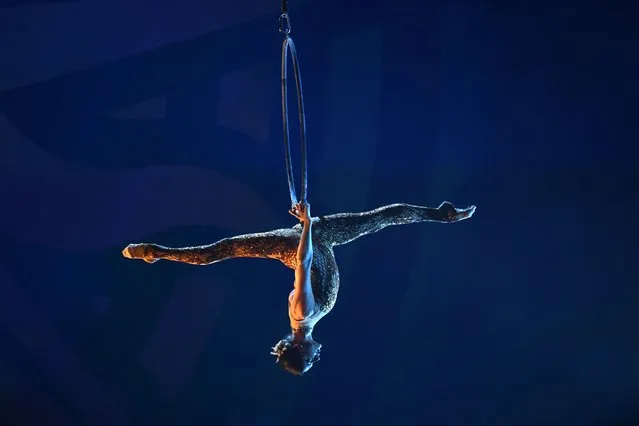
(311,354)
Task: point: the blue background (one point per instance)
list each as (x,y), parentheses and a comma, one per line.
(124,122)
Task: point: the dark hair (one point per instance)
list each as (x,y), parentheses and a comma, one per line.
(292,360)
(291,356)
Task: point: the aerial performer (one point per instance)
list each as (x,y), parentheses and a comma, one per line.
(306,248)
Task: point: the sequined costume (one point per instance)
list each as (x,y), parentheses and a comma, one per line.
(281,244)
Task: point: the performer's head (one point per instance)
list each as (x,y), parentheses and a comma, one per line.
(297,352)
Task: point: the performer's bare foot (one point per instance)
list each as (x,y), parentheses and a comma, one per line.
(452,214)
(140,251)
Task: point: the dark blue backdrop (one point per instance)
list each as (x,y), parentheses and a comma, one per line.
(123,121)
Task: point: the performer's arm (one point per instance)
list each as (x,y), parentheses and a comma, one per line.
(302,300)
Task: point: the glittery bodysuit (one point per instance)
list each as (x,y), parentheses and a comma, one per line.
(281,244)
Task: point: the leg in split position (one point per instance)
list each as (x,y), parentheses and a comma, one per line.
(343,228)
(280,244)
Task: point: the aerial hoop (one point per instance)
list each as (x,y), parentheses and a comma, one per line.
(289,46)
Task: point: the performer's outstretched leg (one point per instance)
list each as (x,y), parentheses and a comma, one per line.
(343,228)
(280,244)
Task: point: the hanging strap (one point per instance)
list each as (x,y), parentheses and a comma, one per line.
(288,45)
